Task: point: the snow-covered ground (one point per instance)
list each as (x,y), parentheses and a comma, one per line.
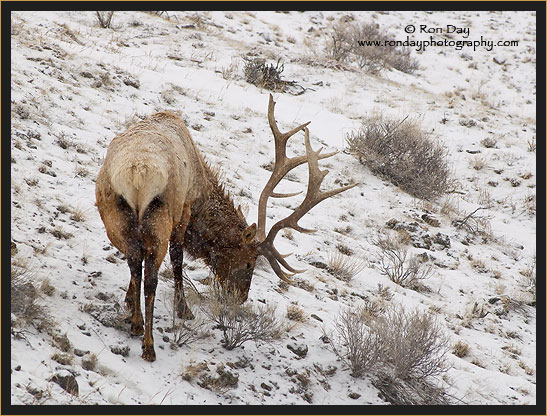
(76,85)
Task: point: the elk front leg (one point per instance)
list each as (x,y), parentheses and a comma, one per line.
(133,295)
(176,256)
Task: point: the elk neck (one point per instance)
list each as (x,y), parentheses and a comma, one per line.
(215,223)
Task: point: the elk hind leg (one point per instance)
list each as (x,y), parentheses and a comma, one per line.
(156,229)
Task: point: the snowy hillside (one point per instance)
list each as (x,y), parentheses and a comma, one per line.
(76,85)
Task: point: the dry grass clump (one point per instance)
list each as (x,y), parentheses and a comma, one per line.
(477,162)
(461,349)
(25,297)
(222,383)
(241,323)
(401,152)
(530,277)
(89,363)
(295,313)
(344,267)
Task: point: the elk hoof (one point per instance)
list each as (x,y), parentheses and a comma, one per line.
(148,354)
(184,312)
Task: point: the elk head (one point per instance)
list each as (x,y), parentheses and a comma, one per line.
(235,268)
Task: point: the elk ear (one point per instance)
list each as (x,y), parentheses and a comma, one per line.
(248,234)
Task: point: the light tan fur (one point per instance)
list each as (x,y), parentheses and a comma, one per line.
(154,157)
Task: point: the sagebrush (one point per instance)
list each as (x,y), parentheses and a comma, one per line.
(346,42)
(396,347)
(401,152)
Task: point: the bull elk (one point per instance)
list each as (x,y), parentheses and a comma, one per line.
(155,192)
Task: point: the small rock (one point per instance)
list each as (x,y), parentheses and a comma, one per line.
(442,240)
(325,339)
(300,350)
(314,316)
(391,223)
(423,257)
(319,264)
(80,353)
(132,82)
(67,382)
(353,395)
(266,387)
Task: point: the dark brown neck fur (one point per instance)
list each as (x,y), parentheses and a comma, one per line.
(215,223)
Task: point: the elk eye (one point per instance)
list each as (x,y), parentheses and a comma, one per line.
(248,265)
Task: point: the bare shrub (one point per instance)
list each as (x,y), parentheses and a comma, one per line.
(413,342)
(184,331)
(47,288)
(339,43)
(241,323)
(398,266)
(344,267)
(474,223)
(105,19)
(374,58)
(489,142)
(346,42)
(355,344)
(225,380)
(401,152)
(404,345)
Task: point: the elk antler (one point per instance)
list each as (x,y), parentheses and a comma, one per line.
(282,166)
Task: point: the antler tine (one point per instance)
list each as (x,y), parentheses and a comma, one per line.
(282,166)
(312,198)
